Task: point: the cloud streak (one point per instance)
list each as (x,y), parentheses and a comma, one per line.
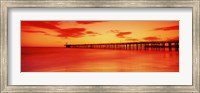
(173,39)
(71,32)
(169,28)
(123,34)
(120,34)
(30,31)
(41,24)
(151,38)
(91,33)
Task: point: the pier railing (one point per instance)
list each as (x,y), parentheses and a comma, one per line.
(156,45)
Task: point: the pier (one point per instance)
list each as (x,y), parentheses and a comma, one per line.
(155,45)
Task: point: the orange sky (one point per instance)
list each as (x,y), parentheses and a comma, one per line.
(57,33)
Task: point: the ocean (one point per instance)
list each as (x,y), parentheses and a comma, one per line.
(61,59)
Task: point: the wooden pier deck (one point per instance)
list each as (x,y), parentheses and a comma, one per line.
(156,45)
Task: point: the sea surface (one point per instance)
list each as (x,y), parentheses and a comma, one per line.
(61,59)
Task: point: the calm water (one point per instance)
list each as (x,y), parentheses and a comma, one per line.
(98,60)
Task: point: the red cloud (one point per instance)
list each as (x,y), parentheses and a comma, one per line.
(132,39)
(42,32)
(87,22)
(40,24)
(122,34)
(29,31)
(176,27)
(173,39)
(92,33)
(71,32)
(153,38)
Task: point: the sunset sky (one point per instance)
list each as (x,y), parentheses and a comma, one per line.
(58,33)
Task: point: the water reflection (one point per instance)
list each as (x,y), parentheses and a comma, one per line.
(98,60)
